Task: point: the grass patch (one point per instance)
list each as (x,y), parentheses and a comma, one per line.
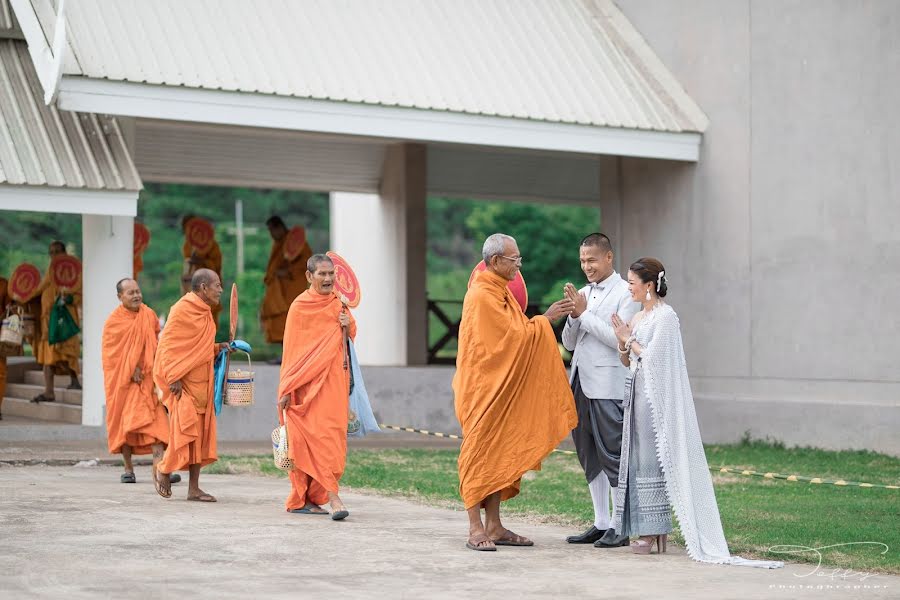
(757,514)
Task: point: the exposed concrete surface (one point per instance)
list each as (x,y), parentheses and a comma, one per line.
(61,452)
(78,533)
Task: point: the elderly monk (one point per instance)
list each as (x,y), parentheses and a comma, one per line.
(136,422)
(61,357)
(284,281)
(183,370)
(211,259)
(314,392)
(512,395)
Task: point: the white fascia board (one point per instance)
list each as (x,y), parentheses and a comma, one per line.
(38,47)
(299,114)
(36,198)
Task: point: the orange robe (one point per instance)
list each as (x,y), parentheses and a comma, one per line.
(281,291)
(134,415)
(137,265)
(512,395)
(69,351)
(186,353)
(211,260)
(312,373)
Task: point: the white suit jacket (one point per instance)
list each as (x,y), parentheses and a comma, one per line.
(593,341)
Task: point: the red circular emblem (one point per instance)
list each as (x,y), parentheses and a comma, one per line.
(346,285)
(294,242)
(141,238)
(25,279)
(200,234)
(516,286)
(65,271)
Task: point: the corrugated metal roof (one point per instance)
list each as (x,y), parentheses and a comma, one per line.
(41,145)
(569,61)
(8,25)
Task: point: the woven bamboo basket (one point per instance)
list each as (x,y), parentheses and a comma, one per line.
(239,386)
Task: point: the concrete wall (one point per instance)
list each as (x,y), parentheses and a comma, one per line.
(781,244)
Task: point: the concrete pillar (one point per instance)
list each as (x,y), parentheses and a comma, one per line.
(108,248)
(611,207)
(384,238)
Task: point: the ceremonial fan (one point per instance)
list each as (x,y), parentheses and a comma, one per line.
(24,281)
(516,286)
(346,287)
(294,242)
(65,271)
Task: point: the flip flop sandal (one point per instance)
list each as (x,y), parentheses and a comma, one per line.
(203,498)
(478,540)
(42,398)
(306,511)
(158,486)
(128,478)
(340,515)
(174,478)
(515,540)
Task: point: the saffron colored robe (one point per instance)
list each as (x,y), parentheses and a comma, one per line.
(134,415)
(186,353)
(281,291)
(68,351)
(512,396)
(312,373)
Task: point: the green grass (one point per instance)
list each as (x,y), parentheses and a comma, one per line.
(756,513)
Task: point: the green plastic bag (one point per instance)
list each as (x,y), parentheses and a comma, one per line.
(62,324)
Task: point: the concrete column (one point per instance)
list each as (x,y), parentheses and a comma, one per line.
(384,238)
(611,207)
(108,247)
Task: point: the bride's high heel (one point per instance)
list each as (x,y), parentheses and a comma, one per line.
(644,544)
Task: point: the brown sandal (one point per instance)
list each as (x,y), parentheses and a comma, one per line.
(512,539)
(164,491)
(474,543)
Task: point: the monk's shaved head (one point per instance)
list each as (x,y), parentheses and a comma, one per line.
(120,285)
(313,263)
(129,293)
(201,277)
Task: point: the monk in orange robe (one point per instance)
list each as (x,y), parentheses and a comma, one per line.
(512,395)
(314,393)
(136,422)
(284,281)
(183,370)
(211,259)
(62,357)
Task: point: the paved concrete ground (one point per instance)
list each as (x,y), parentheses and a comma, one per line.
(70,532)
(24,441)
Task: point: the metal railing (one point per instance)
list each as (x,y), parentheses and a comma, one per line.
(443,330)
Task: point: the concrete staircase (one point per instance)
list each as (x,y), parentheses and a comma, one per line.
(25,381)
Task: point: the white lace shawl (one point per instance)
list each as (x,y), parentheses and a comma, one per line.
(678,444)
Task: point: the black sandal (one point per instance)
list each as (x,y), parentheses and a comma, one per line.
(128,478)
(42,398)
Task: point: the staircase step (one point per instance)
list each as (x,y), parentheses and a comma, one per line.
(45,411)
(37,378)
(27,391)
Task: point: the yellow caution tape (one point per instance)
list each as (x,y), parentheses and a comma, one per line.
(746,472)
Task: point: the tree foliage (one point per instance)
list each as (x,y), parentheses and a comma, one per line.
(547,235)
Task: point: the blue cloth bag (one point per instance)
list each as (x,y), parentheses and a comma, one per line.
(365,422)
(219,373)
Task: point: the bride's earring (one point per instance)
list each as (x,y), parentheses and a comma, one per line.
(648,294)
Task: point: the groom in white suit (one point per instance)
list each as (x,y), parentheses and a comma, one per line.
(598,381)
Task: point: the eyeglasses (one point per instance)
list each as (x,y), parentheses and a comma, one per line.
(515,259)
